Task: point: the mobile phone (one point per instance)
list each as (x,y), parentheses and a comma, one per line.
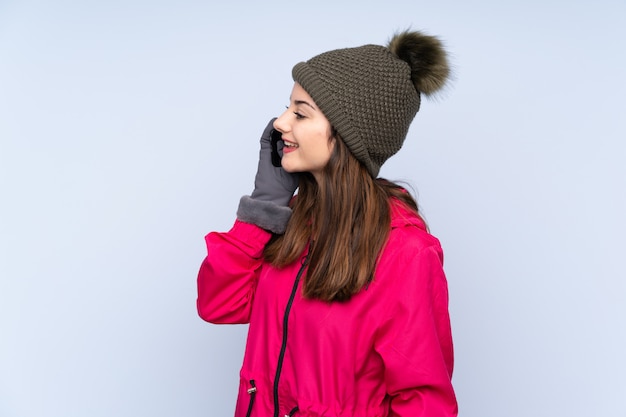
(275,137)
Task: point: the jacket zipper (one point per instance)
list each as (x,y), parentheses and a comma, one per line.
(283,347)
(252,392)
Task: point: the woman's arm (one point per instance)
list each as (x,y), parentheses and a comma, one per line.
(415,340)
(228,275)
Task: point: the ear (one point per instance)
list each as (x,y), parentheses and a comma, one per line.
(332,141)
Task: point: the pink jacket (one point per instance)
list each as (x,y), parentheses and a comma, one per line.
(386,352)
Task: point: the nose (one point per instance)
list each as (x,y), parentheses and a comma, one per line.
(281,123)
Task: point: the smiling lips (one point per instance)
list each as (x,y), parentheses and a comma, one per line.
(289,146)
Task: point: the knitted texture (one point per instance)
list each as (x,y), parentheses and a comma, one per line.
(367,95)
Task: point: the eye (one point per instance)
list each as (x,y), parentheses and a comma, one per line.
(298,115)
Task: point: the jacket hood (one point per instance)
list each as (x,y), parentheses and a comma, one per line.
(401,216)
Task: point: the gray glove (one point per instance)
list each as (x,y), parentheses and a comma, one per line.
(267,207)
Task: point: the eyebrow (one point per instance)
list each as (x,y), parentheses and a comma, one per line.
(304,102)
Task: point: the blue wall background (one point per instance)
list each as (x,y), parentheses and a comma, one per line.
(128,130)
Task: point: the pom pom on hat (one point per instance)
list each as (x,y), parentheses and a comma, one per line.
(426,57)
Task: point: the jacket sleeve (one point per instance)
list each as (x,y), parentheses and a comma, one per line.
(414,340)
(228,275)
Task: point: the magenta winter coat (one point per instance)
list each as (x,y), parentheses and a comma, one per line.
(386,352)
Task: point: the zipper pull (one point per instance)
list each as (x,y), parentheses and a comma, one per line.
(253,389)
(252,392)
(292,412)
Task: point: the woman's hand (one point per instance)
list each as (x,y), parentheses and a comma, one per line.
(272,183)
(268,206)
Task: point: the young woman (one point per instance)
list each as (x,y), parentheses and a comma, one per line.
(342,285)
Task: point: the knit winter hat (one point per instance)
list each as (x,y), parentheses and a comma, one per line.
(371,93)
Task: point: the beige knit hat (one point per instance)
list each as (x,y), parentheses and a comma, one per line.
(370,94)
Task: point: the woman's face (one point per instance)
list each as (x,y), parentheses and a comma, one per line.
(306,133)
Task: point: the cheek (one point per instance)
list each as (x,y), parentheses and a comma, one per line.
(322,147)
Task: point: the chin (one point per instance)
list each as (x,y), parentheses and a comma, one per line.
(288,168)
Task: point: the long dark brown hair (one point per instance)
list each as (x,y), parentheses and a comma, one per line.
(346,219)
